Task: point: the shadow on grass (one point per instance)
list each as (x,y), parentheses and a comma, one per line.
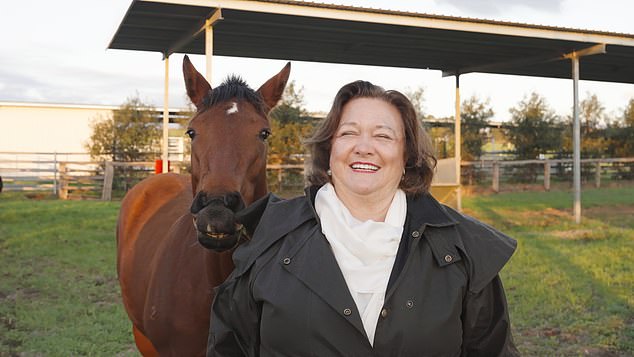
(605,306)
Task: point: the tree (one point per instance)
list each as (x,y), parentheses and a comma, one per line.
(291,107)
(289,124)
(417,97)
(624,133)
(474,116)
(129,134)
(534,128)
(593,136)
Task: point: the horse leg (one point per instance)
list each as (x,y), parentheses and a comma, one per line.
(143,344)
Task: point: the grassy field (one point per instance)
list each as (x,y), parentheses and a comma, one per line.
(569,287)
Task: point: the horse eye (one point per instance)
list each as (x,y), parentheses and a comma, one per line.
(191,133)
(264,134)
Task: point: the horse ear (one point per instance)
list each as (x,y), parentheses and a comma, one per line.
(197,86)
(272,90)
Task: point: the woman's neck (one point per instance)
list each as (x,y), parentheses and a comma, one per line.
(368,207)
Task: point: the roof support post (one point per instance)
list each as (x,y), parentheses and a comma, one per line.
(576,139)
(166,116)
(576,128)
(457,145)
(209,48)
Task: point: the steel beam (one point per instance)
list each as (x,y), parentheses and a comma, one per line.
(166,115)
(552,57)
(201,26)
(576,140)
(457,145)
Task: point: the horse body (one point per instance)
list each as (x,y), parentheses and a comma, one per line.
(172,250)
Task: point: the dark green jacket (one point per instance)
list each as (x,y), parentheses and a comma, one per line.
(287,295)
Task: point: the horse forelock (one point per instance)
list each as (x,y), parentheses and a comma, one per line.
(234,87)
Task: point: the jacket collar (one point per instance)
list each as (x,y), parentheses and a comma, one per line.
(423,209)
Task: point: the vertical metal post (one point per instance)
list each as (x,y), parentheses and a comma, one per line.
(55,173)
(576,139)
(457,145)
(166,115)
(209,48)
(547,175)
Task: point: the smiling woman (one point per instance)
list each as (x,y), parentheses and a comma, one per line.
(369,263)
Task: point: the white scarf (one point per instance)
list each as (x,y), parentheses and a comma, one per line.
(365,251)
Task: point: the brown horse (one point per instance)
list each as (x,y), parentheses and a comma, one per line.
(168,266)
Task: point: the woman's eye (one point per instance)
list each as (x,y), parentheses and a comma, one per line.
(191,133)
(264,134)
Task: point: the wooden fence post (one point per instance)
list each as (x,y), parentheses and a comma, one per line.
(62,193)
(547,175)
(597,175)
(496,176)
(106,194)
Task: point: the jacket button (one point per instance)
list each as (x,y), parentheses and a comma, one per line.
(384,312)
(409,304)
(286,261)
(415,234)
(347,312)
(448,258)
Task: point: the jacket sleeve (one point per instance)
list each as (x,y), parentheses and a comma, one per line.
(486,324)
(235,319)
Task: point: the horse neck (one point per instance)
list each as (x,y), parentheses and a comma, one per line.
(219,266)
(261,186)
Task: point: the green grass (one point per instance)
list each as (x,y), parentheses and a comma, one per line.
(59,295)
(569,287)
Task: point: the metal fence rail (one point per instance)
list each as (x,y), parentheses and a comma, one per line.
(545,172)
(74,177)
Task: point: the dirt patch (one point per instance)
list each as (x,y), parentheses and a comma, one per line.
(541,218)
(582,234)
(619,215)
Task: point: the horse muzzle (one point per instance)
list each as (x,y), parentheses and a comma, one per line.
(218,241)
(215,221)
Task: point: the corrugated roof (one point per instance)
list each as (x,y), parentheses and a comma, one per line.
(319,32)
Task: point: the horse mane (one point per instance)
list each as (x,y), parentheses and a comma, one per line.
(234,87)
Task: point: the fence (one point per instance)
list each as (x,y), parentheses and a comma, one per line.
(545,172)
(69,176)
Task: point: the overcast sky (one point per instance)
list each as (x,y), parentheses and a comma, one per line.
(55,52)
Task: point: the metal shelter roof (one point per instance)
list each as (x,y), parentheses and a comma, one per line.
(306,31)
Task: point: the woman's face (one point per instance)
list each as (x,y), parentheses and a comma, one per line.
(367,156)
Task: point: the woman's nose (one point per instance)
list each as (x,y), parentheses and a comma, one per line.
(364,146)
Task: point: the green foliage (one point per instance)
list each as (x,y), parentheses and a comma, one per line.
(289,124)
(624,133)
(129,134)
(592,118)
(535,129)
(474,115)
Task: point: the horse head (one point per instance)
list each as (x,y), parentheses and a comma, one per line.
(228,151)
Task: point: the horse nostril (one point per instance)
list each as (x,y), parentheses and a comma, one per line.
(200,201)
(233,201)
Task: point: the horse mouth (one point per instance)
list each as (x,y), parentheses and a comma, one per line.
(218,235)
(219,241)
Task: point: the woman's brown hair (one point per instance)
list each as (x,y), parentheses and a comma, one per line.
(419,159)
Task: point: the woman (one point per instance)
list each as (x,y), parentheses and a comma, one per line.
(367,263)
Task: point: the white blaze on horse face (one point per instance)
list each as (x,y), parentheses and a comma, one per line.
(233,109)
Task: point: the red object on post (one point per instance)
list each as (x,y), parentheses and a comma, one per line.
(158,166)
